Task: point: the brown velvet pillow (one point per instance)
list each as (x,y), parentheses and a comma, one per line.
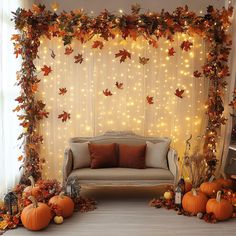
(132,156)
(103,155)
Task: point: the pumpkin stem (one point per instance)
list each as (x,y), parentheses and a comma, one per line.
(32,181)
(34,201)
(62,194)
(218,196)
(194,191)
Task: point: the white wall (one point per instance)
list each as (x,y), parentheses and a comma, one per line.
(114,5)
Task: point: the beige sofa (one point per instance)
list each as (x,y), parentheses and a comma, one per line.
(121,176)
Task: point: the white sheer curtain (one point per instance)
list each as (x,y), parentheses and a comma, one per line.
(92,113)
(9,125)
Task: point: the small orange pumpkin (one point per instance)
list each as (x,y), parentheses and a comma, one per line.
(36,216)
(65,203)
(221,208)
(194,202)
(226,183)
(33,190)
(209,188)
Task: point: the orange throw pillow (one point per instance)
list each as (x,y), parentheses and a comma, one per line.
(103,155)
(132,156)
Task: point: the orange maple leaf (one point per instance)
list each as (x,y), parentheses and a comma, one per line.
(79,58)
(62,91)
(98,44)
(15,37)
(64,116)
(119,85)
(123,54)
(68,50)
(107,92)
(179,93)
(20,158)
(46,69)
(149,100)
(171,51)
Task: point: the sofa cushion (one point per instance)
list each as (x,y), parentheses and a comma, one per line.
(103,155)
(156,154)
(81,156)
(132,156)
(122,174)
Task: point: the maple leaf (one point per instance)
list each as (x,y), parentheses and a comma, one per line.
(46,69)
(149,100)
(143,60)
(79,58)
(18,108)
(197,74)
(135,9)
(43,114)
(68,50)
(186,45)
(123,54)
(64,116)
(62,91)
(53,55)
(15,37)
(153,43)
(107,92)
(171,51)
(97,44)
(17,52)
(19,99)
(20,158)
(119,85)
(179,93)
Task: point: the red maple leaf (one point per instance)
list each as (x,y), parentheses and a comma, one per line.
(153,43)
(149,100)
(68,50)
(46,69)
(79,58)
(171,52)
(143,60)
(197,74)
(64,116)
(123,54)
(186,45)
(98,44)
(179,93)
(62,91)
(119,85)
(107,92)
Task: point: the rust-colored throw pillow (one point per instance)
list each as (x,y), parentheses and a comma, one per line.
(103,155)
(132,156)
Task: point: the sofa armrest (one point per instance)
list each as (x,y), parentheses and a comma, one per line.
(67,164)
(172,158)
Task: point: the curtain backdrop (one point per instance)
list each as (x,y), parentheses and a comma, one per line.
(9,125)
(92,113)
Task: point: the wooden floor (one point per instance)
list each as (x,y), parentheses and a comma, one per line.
(125,211)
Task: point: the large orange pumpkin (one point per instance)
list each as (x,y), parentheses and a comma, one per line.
(65,203)
(210,188)
(226,183)
(33,190)
(194,202)
(221,208)
(36,216)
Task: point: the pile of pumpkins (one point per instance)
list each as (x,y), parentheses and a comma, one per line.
(38,215)
(199,202)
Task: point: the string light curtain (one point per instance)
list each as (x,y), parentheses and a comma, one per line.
(93,113)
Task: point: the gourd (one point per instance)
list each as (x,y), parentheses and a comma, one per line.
(209,188)
(226,183)
(65,203)
(36,216)
(32,190)
(194,202)
(221,208)
(58,219)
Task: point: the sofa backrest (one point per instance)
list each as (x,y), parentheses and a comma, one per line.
(122,137)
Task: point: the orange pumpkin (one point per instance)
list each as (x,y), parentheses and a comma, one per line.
(194,202)
(226,183)
(36,216)
(65,203)
(33,190)
(209,188)
(221,208)
(188,186)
